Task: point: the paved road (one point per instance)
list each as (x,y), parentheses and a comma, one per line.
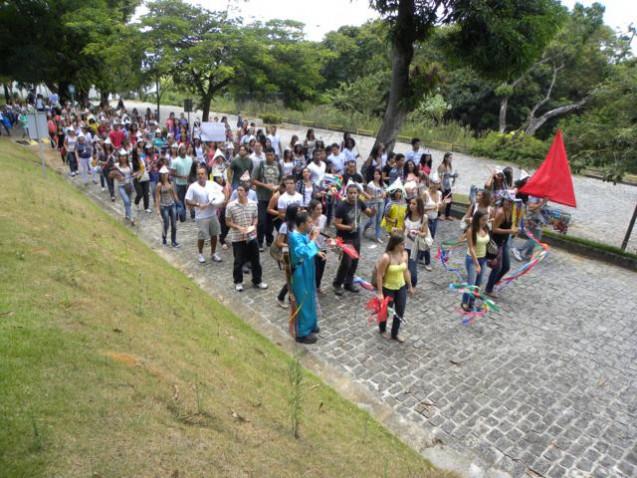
(603,211)
(546,387)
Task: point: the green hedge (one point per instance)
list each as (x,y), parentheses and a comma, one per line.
(515,146)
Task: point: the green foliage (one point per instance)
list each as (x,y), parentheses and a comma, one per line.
(271,118)
(365,95)
(515,146)
(501,39)
(605,136)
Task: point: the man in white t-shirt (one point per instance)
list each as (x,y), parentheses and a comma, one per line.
(415,153)
(257,157)
(206,197)
(336,159)
(275,140)
(317,167)
(289,197)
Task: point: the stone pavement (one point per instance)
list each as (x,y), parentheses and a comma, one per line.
(603,213)
(546,387)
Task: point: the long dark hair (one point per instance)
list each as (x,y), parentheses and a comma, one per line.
(475,225)
(420,208)
(396,239)
(290,216)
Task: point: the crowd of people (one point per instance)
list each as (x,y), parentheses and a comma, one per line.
(298,200)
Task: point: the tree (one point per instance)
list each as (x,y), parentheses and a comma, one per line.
(46,41)
(280,64)
(496,38)
(605,136)
(204,49)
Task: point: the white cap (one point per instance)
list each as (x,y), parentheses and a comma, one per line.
(123,152)
(108,141)
(164,170)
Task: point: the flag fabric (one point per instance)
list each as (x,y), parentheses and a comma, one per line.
(553,179)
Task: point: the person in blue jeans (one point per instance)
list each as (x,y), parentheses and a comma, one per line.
(166,203)
(502,229)
(478,238)
(122,172)
(433,203)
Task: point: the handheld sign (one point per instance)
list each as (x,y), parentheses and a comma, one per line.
(213,131)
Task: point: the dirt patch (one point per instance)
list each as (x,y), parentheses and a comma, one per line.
(126,359)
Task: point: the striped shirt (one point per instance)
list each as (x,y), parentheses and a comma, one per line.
(242,215)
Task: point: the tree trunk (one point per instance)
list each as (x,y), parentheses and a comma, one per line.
(158,95)
(536,123)
(7,95)
(399,90)
(104,98)
(629,231)
(502,119)
(205,107)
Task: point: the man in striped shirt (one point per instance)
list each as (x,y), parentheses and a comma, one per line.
(241,219)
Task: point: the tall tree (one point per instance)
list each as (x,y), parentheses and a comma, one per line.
(497,38)
(205,48)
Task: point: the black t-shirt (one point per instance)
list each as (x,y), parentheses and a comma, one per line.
(349,214)
(357,178)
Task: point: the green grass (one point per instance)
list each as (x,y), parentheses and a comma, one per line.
(590,244)
(113,363)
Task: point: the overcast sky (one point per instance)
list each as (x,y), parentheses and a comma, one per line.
(322,16)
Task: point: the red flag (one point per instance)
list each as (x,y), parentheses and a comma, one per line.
(553,178)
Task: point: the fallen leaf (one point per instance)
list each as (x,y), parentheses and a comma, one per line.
(117,331)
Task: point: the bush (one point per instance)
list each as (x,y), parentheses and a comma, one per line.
(271,118)
(515,146)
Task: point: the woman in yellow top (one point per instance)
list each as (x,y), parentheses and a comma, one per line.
(477,240)
(393,280)
(394,218)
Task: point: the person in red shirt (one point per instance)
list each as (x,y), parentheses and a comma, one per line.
(117,136)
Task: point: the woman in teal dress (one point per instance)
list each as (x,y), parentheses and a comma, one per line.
(303,248)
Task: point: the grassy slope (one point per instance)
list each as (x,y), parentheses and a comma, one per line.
(114,363)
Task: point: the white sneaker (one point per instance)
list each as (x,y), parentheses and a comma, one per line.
(216,257)
(261,285)
(516,254)
(238,287)
(103,188)
(148,210)
(282,303)
(202,259)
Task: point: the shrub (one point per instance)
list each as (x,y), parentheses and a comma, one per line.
(515,146)
(271,118)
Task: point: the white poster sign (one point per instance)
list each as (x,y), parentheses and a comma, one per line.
(213,131)
(41,130)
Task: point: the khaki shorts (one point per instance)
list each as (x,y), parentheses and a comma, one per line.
(208,227)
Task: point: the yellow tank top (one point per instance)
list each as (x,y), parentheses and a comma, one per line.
(394,276)
(481,245)
(395,217)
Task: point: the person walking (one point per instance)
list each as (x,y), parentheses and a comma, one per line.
(503,227)
(303,249)
(166,203)
(347,222)
(415,233)
(266,178)
(376,192)
(242,217)
(432,198)
(315,209)
(393,280)
(448,178)
(205,197)
(180,169)
(122,172)
(84,151)
(478,238)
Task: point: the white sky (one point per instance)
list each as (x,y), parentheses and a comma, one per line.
(322,16)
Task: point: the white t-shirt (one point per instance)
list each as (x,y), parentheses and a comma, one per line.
(257,160)
(338,162)
(319,225)
(286,200)
(276,143)
(211,194)
(317,172)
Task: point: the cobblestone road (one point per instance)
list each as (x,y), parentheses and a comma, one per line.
(603,213)
(546,387)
